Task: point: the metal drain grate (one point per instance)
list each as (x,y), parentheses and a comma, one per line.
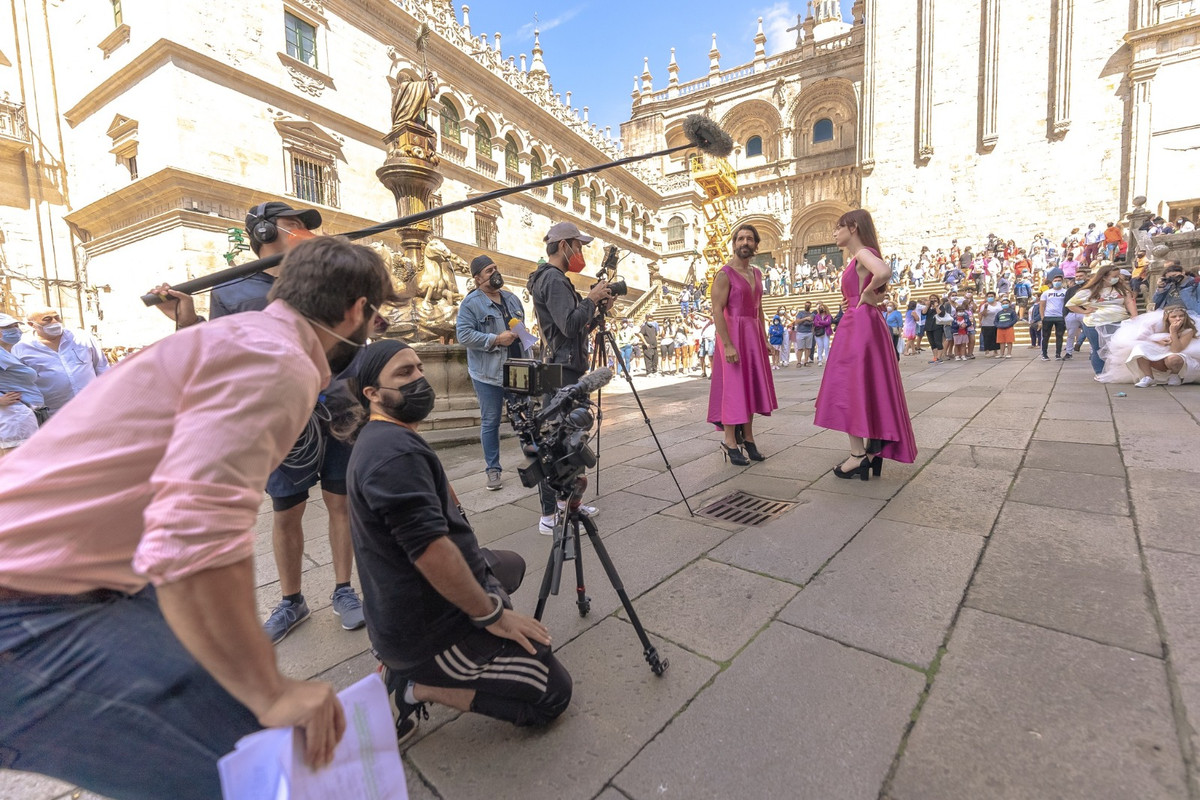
(741,508)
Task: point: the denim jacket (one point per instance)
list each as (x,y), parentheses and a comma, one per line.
(478,325)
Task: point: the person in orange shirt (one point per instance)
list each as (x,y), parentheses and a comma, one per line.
(1112,240)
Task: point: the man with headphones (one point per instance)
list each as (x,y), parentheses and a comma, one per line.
(317,457)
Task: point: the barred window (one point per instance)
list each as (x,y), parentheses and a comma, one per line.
(675,234)
(485,232)
(301,39)
(535,168)
(314,179)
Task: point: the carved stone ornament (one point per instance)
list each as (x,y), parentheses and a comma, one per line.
(306,83)
(315,6)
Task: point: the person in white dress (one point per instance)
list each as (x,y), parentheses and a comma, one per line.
(1154,348)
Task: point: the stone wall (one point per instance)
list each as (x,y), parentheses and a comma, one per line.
(1028,179)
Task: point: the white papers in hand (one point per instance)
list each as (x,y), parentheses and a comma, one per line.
(528,340)
(269,765)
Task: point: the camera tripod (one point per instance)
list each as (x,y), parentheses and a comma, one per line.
(566,547)
(603,334)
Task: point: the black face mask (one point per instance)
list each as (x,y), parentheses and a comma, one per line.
(416,401)
(496,281)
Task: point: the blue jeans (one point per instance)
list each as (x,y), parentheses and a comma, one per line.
(491,411)
(99,692)
(626,355)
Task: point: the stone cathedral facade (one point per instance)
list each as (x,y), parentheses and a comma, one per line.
(944,119)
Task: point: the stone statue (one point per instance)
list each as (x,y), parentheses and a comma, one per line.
(409,102)
(432,311)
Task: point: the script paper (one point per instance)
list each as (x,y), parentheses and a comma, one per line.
(528,340)
(269,765)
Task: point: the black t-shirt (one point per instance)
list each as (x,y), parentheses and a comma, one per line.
(400,502)
(515,350)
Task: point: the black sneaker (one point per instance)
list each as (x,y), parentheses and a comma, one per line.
(1059,358)
(407,715)
(1045,358)
(1067,357)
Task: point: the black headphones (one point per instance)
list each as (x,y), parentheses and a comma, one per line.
(263,230)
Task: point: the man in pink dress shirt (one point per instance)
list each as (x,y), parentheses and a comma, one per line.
(154,475)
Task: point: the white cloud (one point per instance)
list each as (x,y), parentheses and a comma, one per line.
(776,21)
(525,32)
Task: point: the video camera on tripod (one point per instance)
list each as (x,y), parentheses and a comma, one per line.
(608,272)
(556,438)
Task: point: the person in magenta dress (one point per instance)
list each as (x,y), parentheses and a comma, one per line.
(741,377)
(861,392)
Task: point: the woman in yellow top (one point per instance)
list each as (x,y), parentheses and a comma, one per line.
(1105,302)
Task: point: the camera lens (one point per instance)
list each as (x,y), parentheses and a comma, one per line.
(619,288)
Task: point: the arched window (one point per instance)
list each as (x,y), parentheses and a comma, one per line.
(512,160)
(535,167)
(451,130)
(675,235)
(823,131)
(558,187)
(754,146)
(483,138)
(595,199)
(608,209)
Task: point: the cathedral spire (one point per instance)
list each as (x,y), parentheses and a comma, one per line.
(538,65)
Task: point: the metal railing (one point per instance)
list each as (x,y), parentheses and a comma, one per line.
(12,122)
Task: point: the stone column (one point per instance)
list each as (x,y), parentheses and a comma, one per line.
(924,137)
(866,116)
(989,54)
(410,173)
(1060,90)
(1139,162)
(468,127)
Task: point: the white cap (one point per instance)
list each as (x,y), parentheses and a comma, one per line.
(6,320)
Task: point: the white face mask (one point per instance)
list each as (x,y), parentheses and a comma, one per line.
(1113,281)
(53,329)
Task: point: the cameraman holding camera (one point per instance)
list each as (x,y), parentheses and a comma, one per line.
(565,319)
(1176,287)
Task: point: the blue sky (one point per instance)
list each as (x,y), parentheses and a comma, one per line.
(595,48)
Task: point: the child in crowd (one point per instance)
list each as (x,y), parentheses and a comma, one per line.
(1006,318)
(962,323)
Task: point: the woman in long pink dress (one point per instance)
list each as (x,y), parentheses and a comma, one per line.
(741,378)
(861,392)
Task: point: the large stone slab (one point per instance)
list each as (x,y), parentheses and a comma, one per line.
(617,706)
(319,644)
(971,500)
(1074,430)
(1176,581)
(1017,711)
(1017,418)
(693,477)
(1077,572)
(801,463)
(892,590)
(935,431)
(795,546)
(1068,490)
(685,607)
(973,434)
(796,716)
(892,479)
(1094,412)
(1165,512)
(1088,459)
(1169,449)
(973,456)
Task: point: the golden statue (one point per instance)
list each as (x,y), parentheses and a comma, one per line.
(409,101)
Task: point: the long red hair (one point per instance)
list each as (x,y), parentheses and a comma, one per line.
(859,221)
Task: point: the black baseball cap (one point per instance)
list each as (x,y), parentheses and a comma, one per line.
(309,217)
(479,264)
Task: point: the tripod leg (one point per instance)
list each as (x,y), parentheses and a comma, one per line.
(551,576)
(646,418)
(583,602)
(657,666)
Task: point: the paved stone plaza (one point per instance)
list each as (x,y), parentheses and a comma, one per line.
(1015,616)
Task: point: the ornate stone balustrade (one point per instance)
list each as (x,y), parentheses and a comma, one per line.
(453,151)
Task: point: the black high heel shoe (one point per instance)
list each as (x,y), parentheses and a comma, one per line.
(752,452)
(877,465)
(734,456)
(862,471)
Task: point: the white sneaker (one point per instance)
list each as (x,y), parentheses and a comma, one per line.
(546,526)
(1145,382)
(1174,380)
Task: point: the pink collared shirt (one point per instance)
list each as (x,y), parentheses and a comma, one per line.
(156,471)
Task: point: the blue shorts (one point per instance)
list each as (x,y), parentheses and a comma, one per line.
(708,347)
(288,485)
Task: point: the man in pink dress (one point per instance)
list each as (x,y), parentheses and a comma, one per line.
(741,383)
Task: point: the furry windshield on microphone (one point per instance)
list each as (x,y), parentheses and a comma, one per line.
(707,135)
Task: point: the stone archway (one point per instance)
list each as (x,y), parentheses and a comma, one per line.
(812,231)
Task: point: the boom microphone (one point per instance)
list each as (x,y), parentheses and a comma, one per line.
(701,132)
(576,392)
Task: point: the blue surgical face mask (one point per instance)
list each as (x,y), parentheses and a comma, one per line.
(10,335)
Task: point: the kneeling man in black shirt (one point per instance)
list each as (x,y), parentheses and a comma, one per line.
(436,604)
